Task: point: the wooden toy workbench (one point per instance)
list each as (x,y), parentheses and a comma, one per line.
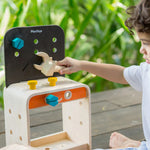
(18,98)
(75,99)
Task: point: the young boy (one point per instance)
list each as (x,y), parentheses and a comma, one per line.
(137,76)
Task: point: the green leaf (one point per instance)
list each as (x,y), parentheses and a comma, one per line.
(24,13)
(18,14)
(2,77)
(82,27)
(74,13)
(64,22)
(5,21)
(36,11)
(113,37)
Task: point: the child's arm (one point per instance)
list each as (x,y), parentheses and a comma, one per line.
(110,72)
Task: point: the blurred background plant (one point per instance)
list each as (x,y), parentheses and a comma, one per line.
(94,30)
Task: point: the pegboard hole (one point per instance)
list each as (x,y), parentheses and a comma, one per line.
(36,41)
(11,132)
(16,54)
(54,39)
(10,111)
(81,123)
(36,51)
(80,103)
(19,116)
(20,138)
(54,50)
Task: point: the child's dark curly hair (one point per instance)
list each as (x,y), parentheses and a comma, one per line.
(139,17)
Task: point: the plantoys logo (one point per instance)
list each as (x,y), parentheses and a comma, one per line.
(36,31)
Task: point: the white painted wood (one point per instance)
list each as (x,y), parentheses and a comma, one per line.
(80,147)
(17,121)
(18,147)
(17,130)
(76,120)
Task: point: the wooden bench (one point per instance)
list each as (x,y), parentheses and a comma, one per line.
(113,110)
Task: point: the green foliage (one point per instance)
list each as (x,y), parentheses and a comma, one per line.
(2,84)
(94,30)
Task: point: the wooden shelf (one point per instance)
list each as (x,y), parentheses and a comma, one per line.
(58,141)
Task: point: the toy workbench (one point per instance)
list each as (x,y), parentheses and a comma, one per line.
(20,46)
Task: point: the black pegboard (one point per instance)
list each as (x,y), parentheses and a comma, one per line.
(21,68)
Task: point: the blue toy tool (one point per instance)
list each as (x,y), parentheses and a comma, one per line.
(17,43)
(52,100)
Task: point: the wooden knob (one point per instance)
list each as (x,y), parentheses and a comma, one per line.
(52,81)
(32,84)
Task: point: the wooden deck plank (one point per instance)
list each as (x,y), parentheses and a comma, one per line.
(127,99)
(122,97)
(116,119)
(44,118)
(44,109)
(2,140)
(1,115)
(2,127)
(102,140)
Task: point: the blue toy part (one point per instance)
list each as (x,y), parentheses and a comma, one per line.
(53,103)
(52,100)
(17,43)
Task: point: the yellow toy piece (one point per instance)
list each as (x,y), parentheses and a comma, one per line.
(32,84)
(52,81)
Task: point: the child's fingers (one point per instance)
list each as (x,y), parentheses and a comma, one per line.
(66,71)
(62,62)
(65,62)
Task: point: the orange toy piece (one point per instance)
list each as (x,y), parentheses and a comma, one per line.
(32,84)
(39,100)
(52,81)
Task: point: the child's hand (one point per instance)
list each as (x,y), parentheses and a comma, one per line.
(70,65)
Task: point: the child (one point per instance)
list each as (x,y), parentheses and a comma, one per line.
(137,76)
